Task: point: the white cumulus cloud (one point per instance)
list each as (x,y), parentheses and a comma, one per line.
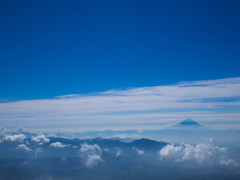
(40,139)
(93,160)
(23,147)
(15,138)
(91,154)
(58,145)
(200,153)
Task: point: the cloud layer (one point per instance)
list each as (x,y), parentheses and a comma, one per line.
(147,105)
(204,153)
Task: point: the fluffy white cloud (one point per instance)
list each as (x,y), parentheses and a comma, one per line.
(15,138)
(90,148)
(93,160)
(23,147)
(40,139)
(139,152)
(91,154)
(201,153)
(58,145)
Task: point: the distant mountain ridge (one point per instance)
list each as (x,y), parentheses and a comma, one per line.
(187,130)
(63,147)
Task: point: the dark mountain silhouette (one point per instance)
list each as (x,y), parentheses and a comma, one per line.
(145,143)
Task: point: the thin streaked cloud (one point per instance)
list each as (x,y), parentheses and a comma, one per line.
(196,99)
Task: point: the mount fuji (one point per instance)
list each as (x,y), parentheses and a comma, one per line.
(188,124)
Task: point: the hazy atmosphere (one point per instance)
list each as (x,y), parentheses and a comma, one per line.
(119,90)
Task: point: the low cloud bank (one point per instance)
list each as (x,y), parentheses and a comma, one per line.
(200,153)
(91,154)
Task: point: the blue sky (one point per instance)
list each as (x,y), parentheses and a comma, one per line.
(54,48)
(59,47)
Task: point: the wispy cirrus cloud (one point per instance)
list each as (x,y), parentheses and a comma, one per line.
(134,105)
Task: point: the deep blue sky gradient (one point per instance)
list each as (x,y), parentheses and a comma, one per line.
(51,48)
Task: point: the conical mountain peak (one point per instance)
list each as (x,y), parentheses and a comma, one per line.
(189,122)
